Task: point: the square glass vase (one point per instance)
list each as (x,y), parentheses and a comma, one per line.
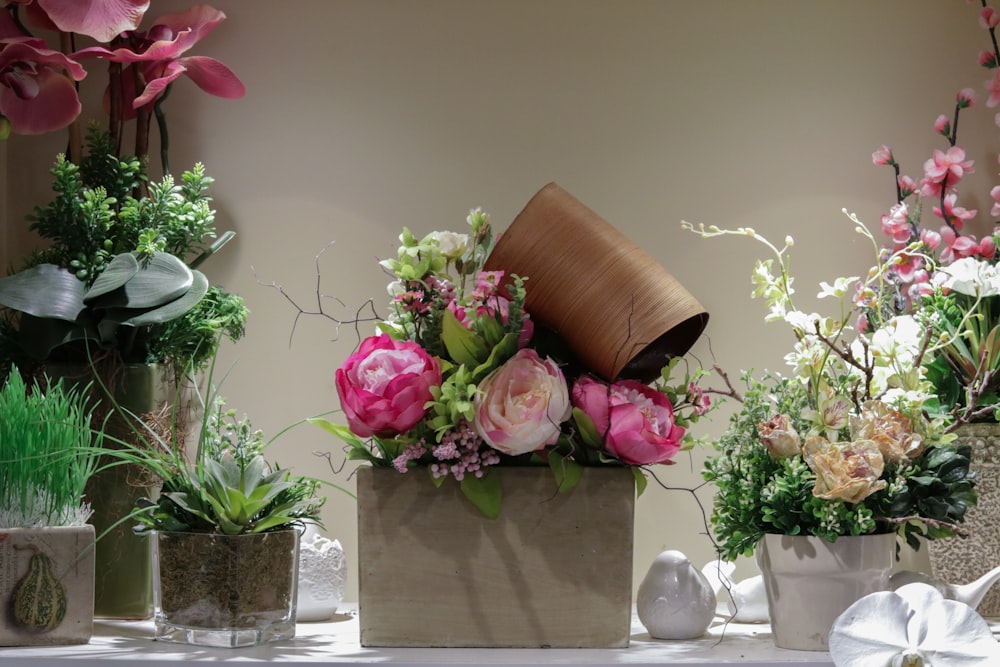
(553,570)
(225,590)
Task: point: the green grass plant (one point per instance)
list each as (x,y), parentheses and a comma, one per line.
(47,454)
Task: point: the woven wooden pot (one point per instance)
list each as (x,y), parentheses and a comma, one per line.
(618,310)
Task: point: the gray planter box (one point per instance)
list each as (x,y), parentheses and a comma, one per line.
(46,585)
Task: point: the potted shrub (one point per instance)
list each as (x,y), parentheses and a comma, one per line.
(225,530)
(118,284)
(46,545)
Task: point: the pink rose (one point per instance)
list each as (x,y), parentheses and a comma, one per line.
(521,405)
(637,421)
(384,385)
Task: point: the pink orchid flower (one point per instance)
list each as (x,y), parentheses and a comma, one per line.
(158,56)
(946,167)
(35,94)
(101,19)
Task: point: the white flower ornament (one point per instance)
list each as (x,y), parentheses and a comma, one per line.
(913,626)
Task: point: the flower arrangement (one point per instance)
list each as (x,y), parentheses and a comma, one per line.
(841,445)
(942,273)
(460,381)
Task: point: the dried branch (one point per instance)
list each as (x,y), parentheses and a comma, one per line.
(321,299)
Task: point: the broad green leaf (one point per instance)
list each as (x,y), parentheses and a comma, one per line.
(484,492)
(566,471)
(121,269)
(159,280)
(39,336)
(168,311)
(46,291)
(463,345)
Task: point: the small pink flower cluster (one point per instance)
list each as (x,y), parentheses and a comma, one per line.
(918,251)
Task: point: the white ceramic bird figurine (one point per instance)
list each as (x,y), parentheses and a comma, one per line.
(744,601)
(971,593)
(675,600)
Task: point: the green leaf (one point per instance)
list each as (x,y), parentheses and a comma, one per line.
(463,345)
(640,480)
(159,280)
(566,471)
(168,311)
(45,291)
(121,269)
(588,431)
(484,492)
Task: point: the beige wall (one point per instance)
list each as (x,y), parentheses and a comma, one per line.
(365,115)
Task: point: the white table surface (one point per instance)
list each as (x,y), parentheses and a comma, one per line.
(336,643)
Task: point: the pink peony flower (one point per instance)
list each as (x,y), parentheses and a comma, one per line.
(384,386)
(520,406)
(637,421)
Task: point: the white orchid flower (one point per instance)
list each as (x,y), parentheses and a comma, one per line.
(839,288)
(913,625)
(969,275)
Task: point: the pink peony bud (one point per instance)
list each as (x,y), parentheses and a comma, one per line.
(636,421)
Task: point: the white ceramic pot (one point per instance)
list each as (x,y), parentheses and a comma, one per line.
(811,581)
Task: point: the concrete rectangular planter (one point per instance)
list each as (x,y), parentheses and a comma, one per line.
(554,570)
(46,585)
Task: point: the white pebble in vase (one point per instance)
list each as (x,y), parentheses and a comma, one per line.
(675,600)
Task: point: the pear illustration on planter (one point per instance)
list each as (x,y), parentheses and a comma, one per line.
(675,600)
(39,598)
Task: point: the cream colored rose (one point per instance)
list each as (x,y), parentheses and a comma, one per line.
(848,471)
(450,244)
(890,430)
(780,437)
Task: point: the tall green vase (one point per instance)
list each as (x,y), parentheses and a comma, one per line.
(123,561)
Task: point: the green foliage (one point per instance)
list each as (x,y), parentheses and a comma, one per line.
(229,489)
(107,225)
(759,494)
(45,453)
